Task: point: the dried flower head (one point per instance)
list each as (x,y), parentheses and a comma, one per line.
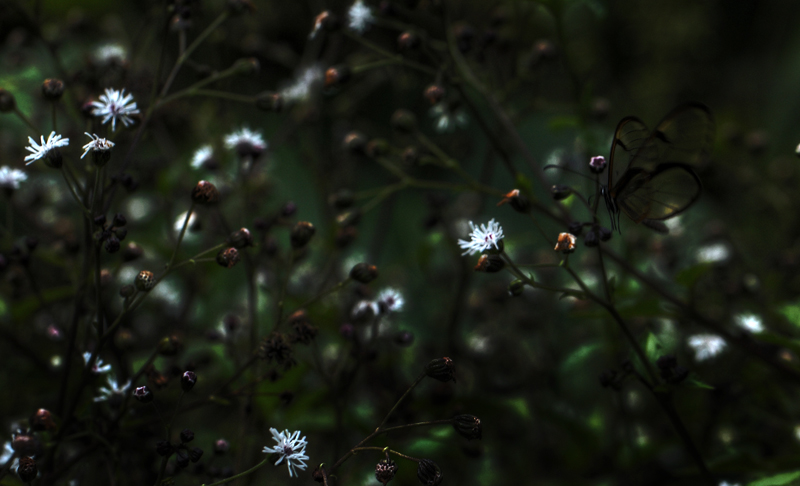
(482,238)
(228,257)
(566,243)
(39,151)
(290,448)
(42,420)
(275,348)
(27,469)
(115,105)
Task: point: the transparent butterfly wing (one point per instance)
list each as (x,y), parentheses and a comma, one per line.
(659,194)
(630,136)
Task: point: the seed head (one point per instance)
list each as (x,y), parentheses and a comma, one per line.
(385,470)
(565,243)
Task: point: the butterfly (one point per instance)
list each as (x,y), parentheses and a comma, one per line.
(651,175)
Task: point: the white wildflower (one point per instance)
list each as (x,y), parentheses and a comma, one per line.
(97,144)
(114,388)
(38,151)
(201,156)
(482,238)
(706,346)
(10,178)
(448,117)
(359,17)
(363,308)
(290,448)
(716,252)
(390,300)
(98,366)
(115,105)
(110,54)
(304,85)
(751,322)
(246,141)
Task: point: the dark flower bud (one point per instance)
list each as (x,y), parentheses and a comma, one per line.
(195,453)
(241,238)
(112,244)
(131,252)
(221,446)
(441,369)
(434,93)
(52,89)
(407,41)
(364,272)
(404,121)
(591,239)
(187,435)
(100,220)
(318,474)
(385,470)
(604,233)
(127,291)
(575,228)
(249,65)
(228,257)
(377,147)
(560,192)
(301,234)
(164,448)
(205,193)
(7,101)
(272,102)
(169,346)
(42,420)
(490,263)
(404,338)
(143,394)
(517,201)
(410,155)
(25,445)
(516,287)
(337,75)
(429,473)
(27,469)
(355,142)
(182,459)
(468,426)
(666,362)
(54,159)
(341,199)
(188,380)
(288,209)
(145,281)
(119,220)
(325,21)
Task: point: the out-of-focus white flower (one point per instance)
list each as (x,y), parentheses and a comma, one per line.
(390,300)
(10,178)
(178,226)
(246,141)
(114,105)
(751,322)
(359,17)
(304,85)
(8,451)
(290,448)
(201,156)
(97,144)
(364,307)
(448,117)
(38,151)
(114,388)
(110,54)
(482,238)
(717,252)
(98,366)
(706,346)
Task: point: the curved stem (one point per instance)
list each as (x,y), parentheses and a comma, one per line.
(249,471)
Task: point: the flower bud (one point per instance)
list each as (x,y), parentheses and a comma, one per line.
(520,203)
(591,239)
(604,233)
(205,193)
(145,281)
(325,21)
(112,244)
(143,394)
(468,426)
(119,220)
(341,199)
(228,257)
(7,101)
(272,102)
(364,272)
(441,369)
(195,453)
(52,89)
(490,263)
(301,234)
(516,287)
(182,459)
(241,239)
(385,470)
(188,380)
(429,473)
(26,445)
(560,192)
(336,76)
(404,121)
(407,41)
(597,164)
(27,469)
(221,446)
(565,243)
(247,65)
(434,93)
(377,147)
(187,436)
(131,252)
(355,142)
(42,420)
(99,220)
(169,346)
(164,448)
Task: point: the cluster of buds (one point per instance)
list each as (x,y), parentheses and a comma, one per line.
(597,234)
(111,234)
(183,453)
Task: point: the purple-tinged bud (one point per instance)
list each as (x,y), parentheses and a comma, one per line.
(205,193)
(187,436)
(182,459)
(597,164)
(42,420)
(143,394)
(188,380)
(228,257)
(221,446)
(164,448)
(385,470)
(195,453)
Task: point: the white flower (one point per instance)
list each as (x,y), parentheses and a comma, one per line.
(96,145)
(245,139)
(716,252)
(751,322)
(482,238)
(114,388)
(706,346)
(115,105)
(10,178)
(302,87)
(98,367)
(448,118)
(8,451)
(359,17)
(289,447)
(201,156)
(364,307)
(38,151)
(390,300)
(110,53)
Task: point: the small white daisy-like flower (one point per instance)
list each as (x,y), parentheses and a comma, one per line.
(201,156)
(359,17)
(390,300)
(751,322)
(10,178)
(303,86)
(96,145)
(290,448)
(448,118)
(114,105)
(706,346)
(114,388)
(363,308)
(98,366)
(39,151)
(482,238)
(246,142)
(110,54)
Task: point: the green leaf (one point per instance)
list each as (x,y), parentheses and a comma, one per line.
(777,480)
(699,384)
(577,359)
(792,313)
(653,347)
(689,276)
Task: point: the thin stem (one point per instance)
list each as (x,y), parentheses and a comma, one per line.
(53,110)
(387,54)
(331,290)
(386,449)
(210,93)
(284,284)
(249,471)
(397,404)
(181,235)
(26,120)
(75,194)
